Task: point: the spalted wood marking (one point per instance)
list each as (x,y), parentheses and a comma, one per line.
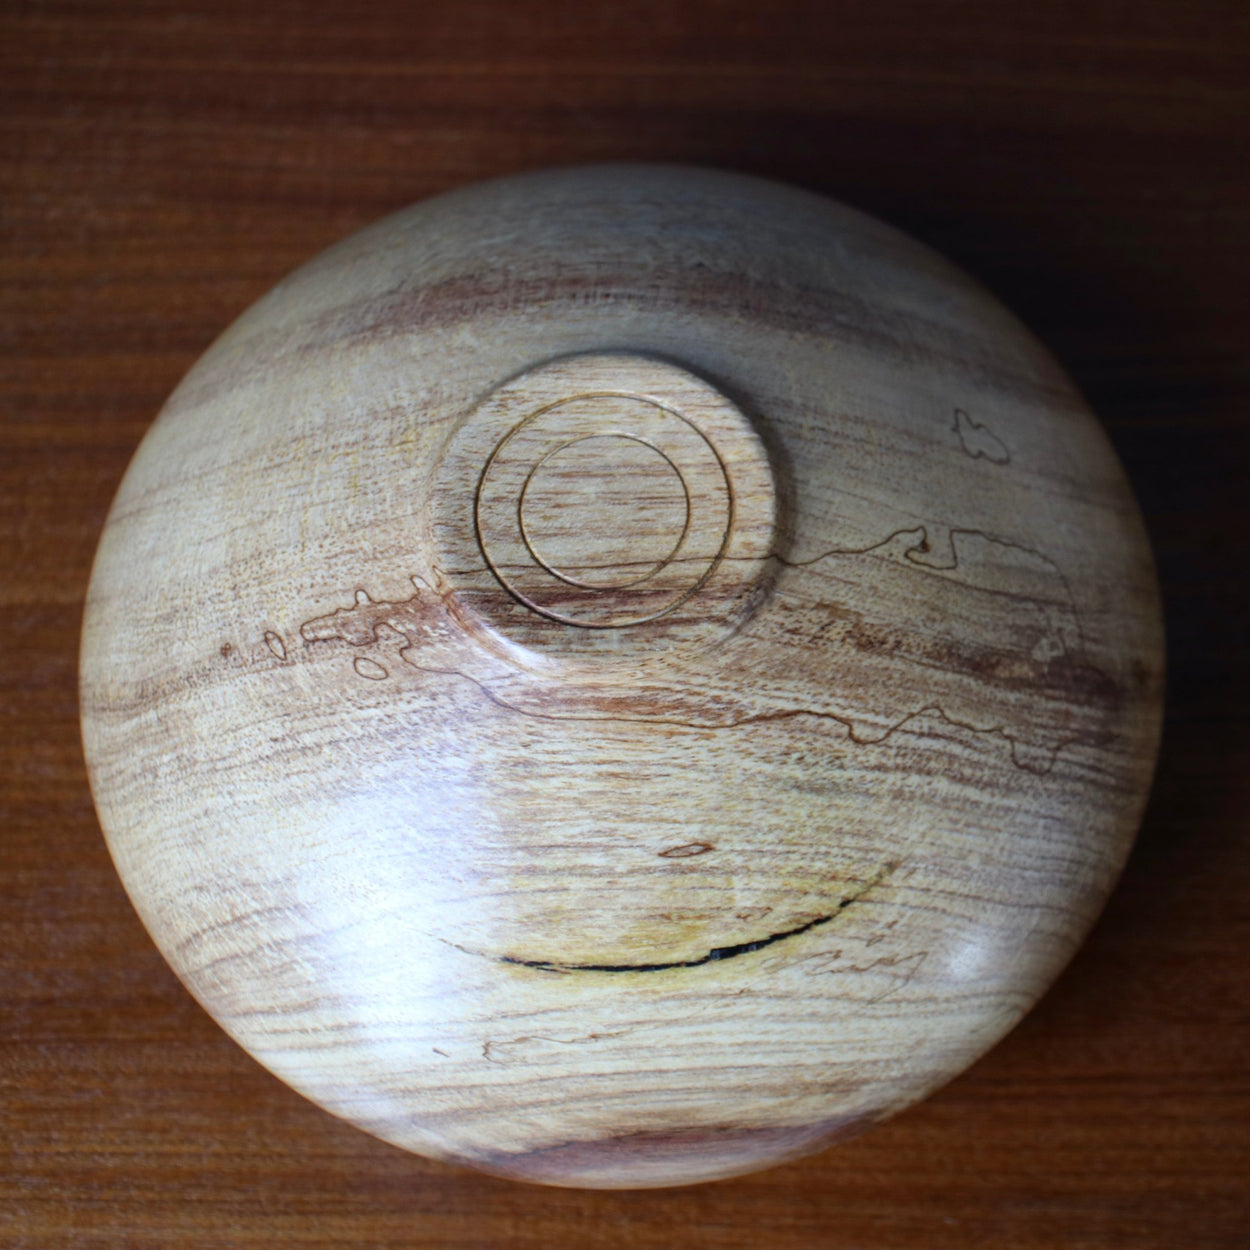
(621,676)
(978,440)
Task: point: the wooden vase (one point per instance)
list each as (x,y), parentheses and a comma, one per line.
(621,676)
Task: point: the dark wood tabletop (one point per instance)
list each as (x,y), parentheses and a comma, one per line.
(162,165)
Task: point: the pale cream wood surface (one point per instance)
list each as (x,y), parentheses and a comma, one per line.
(621,676)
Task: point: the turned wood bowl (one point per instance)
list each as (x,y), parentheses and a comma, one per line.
(621,676)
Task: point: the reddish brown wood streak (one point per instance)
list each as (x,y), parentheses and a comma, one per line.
(731,1149)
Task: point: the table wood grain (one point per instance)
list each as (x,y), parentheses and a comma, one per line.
(162,165)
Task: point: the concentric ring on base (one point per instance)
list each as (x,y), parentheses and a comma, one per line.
(601,495)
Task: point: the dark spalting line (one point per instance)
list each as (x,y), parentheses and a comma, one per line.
(983,444)
(716,955)
(1015,745)
(1083,681)
(924,546)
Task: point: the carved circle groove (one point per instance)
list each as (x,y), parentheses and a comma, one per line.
(616,503)
(582,588)
(632,502)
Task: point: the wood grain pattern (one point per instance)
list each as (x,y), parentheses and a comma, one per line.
(161,169)
(595,869)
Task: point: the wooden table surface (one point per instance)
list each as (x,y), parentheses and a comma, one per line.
(163,165)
